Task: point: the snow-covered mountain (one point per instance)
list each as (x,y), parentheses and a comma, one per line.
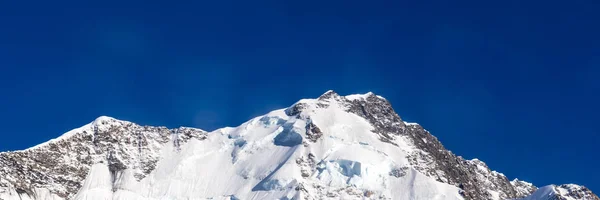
(332,147)
(561,192)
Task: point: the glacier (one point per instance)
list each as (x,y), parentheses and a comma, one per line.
(332,147)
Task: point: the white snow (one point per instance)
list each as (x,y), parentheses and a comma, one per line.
(357,96)
(542,193)
(259,160)
(361,96)
(39,194)
(62,137)
(98,184)
(411,123)
(495,194)
(265,158)
(100,123)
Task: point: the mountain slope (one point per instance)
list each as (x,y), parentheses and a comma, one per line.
(332,147)
(562,192)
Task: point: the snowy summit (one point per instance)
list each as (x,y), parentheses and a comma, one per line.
(331,147)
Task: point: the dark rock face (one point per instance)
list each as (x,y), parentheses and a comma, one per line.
(313,133)
(472,176)
(307,165)
(575,192)
(295,109)
(523,188)
(62,165)
(434,160)
(380,114)
(26,170)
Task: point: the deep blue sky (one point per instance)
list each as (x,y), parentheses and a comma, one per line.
(513,83)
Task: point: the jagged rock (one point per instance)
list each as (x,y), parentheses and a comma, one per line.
(562,192)
(523,188)
(307,134)
(313,132)
(398,172)
(574,192)
(295,109)
(61,165)
(380,114)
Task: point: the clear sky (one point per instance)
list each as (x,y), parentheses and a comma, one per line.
(513,83)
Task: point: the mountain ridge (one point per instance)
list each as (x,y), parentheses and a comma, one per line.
(302,132)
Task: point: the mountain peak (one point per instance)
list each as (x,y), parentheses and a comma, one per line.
(340,147)
(104,118)
(329,94)
(100,123)
(363,96)
(349,103)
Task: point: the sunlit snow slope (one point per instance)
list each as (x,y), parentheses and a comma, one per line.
(269,158)
(333,147)
(562,192)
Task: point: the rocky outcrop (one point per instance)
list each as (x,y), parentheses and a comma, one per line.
(523,188)
(62,164)
(313,132)
(380,114)
(475,179)
(562,192)
(572,191)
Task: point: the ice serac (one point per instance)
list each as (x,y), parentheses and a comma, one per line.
(331,147)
